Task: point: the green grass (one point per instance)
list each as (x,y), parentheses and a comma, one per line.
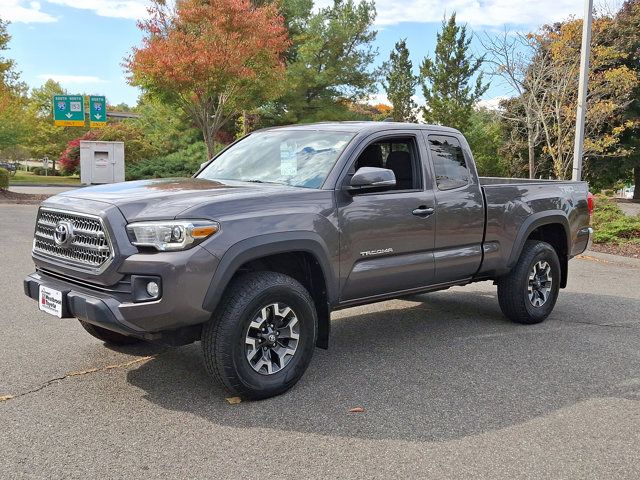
(28,177)
(611,225)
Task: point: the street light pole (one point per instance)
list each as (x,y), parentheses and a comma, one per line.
(582,90)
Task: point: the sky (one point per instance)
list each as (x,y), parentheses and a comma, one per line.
(81,43)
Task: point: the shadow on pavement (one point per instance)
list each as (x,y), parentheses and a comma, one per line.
(446,368)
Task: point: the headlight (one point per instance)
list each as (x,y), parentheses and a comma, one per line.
(171,234)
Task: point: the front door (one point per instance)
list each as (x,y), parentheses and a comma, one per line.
(387,237)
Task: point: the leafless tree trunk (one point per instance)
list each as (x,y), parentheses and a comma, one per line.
(210,114)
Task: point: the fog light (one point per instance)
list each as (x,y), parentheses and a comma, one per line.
(153,289)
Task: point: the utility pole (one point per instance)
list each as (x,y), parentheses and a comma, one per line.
(582,90)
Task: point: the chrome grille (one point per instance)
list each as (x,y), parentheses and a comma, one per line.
(90,248)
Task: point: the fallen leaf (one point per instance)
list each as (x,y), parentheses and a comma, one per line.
(233,400)
(4,398)
(357,410)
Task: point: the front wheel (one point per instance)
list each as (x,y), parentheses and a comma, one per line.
(529,292)
(261,338)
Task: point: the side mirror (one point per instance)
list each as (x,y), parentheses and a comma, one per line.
(372,178)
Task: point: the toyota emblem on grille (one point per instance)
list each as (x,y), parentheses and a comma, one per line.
(63,234)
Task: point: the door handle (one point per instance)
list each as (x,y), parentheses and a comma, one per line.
(423,211)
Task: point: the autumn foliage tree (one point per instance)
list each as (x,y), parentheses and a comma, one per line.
(213,58)
(611,92)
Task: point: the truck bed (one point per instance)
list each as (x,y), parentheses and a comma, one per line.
(507,181)
(514,206)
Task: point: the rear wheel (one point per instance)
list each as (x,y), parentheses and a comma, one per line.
(107,336)
(529,292)
(262,336)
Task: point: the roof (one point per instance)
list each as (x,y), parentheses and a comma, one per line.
(364,127)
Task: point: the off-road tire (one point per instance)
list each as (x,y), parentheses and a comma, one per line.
(107,336)
(223,337)
(513,294)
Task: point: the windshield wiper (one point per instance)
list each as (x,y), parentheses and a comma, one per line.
(259,181)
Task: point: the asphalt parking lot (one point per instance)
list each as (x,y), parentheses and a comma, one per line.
(449,387)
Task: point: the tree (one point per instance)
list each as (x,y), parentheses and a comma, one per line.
(627,38)
(213,58)
(400,83)
(510,57)
(485,137)
(447,80)
(611,88)
(12,97)
(166,127)
(329,65)
(8,75)
(45,139)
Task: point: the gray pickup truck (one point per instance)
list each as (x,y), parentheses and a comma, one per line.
(254,252)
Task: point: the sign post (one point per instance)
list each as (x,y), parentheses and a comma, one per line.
(68,110)
(97,111)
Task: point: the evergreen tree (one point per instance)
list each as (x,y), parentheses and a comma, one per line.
(328,69)
(627,37)
(400,83)
(447,80)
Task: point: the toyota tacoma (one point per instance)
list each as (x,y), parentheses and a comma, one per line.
(252,254)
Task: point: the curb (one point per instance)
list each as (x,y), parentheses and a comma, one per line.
(27,184)
(609,258)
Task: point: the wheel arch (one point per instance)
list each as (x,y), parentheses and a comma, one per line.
(551,228)
(298,254)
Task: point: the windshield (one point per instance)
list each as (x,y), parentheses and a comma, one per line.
(299,158)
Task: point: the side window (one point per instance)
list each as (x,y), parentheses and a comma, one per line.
(398,154)
(448,161)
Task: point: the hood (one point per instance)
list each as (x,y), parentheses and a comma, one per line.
(168,197)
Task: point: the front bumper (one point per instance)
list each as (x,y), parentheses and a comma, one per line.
(185,277)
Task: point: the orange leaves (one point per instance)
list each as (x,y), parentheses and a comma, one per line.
(209,44)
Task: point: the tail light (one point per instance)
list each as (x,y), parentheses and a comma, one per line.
(591,202)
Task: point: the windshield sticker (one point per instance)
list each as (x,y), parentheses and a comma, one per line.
(288,160)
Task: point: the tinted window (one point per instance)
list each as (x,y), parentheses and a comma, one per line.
(300,158)
(448,162)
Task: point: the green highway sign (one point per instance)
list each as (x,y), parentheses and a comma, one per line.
(97,111)
(68,110)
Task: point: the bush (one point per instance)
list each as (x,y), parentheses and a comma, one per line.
(44,171)
(611,225)
(69,160)
(182,163)
(4,178)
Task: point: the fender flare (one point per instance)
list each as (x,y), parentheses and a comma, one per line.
(262,246)
(535,221)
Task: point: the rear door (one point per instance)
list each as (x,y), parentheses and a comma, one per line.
(459,208)
(387,237)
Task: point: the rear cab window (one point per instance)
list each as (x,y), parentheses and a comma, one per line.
(449,163)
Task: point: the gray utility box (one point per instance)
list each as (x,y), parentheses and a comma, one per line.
(101,162)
